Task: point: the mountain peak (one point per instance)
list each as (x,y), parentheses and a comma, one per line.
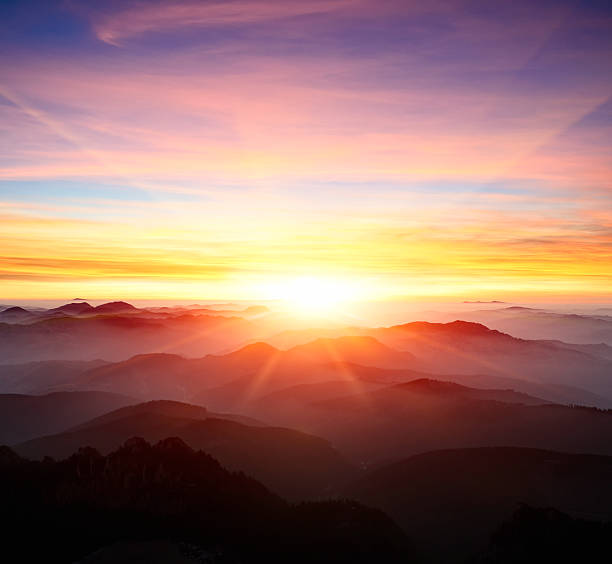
(255,350)
(173,444)
(14,311)
(431,385)
(75,308)
(115,307)
(458,326)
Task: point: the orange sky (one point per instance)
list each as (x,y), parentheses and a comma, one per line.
(222,150)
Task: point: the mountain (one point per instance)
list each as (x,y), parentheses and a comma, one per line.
(294,464)
(553,370)
(140,492)
(14,314)
(400,420)
(546,535)
(168,408)
(363,350)
(230,381)
(167,376)
(530,323)
(74,308)
(115,307)
(467,493)
(119,336)
(462,347)
(437,388)
(549,391)
(23,417)
(470,347)
(224,381)
(147,376)
(44,376)
(298,407)
(319,362)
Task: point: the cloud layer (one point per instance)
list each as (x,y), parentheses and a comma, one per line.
(450,148)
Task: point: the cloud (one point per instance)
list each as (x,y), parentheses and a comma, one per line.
(431,145)
(142,18)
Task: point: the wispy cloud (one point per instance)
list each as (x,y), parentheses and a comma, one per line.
(148,17)
(430,145)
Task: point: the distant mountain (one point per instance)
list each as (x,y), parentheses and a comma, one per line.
(23,417)
(115,307)
(437,388)
(44,376)
(298,406)
(167,491)
(227,382)
(530,323)
(74,308)
(391,422)
(166,376)
(457,348)
(465,494)
(546,535)
(293,402)
(14,314)
(220,380)
(295,465)
(462,347)
(549,391)
(166,408)
(362,350)
(68,336)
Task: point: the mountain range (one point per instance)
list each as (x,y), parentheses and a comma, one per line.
(464,494)
(293,464)
(90,502)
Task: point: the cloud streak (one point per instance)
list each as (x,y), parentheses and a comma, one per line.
(430,147)
(151,17)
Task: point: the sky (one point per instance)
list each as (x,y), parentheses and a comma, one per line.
(234,149)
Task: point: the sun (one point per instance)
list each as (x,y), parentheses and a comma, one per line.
(310,295)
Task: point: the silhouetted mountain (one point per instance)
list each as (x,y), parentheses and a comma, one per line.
(115,307)
(147,376)
(546,535)
(549,392)
(290,403)
(43,376)
(295,465)
(117,337)
(452,390)
(168,491)
(227,381)
(576,373)
(396,421)
(169,408)
(14,315)
(298,407)
(530,323)
(166,376)
(75,308)
(23,417)
(470,348)
(460,496)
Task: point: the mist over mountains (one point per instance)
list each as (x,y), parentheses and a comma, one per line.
(453,427)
